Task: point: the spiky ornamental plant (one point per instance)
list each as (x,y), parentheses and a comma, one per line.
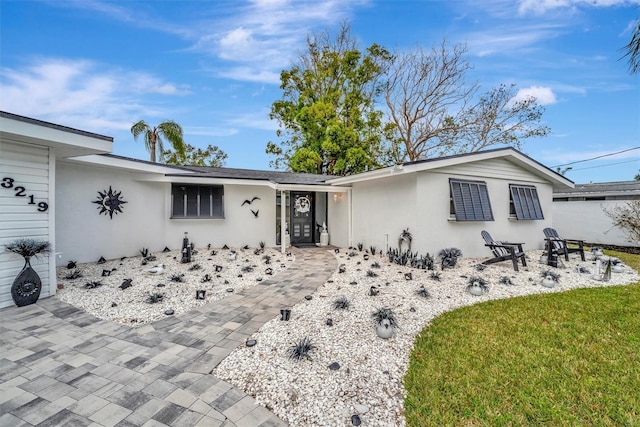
(267,259)
(371,273)
(548,274)
(178,278)
(449,257)
(154,298)
(375,265)
(506,280)
(385,313)
(373,250)
(360,246)
(75,274)
(144,252)
(301,349)
(195,267)
(477,281)
(28,248)
(341,303)
(435,276)
(423,292)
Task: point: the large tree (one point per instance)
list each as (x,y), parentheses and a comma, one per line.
(153,137)
(435,111)
(211,156)
(328,109)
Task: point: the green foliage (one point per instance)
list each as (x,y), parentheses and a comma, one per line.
(567,358)
(211,156)
(153,137)
(327,112)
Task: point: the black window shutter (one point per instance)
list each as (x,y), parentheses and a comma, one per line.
(526,202)
(471,200)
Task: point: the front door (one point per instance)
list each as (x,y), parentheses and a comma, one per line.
(301,217)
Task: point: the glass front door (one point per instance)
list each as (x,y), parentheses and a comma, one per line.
(302,217)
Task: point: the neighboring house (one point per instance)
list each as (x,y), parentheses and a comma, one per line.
(103,205)
(579,212)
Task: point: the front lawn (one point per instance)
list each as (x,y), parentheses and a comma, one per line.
(570,358)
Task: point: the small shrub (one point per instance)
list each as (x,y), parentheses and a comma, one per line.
(154,298)
(262,245)
(373,250)
(480,267)
(375,265)
(195,267)
(477,281)
(301,349)
(449,257)
(267,259)
(93,284)
(371,273)
(247,269)
(206,278)
(75,274)
(423,292)
(360,246)
(550,274)
(179,278)
(435,276)
(506,280)
(342,303)
(385,313)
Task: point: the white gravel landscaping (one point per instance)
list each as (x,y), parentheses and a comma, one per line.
(369,381)
(131,306)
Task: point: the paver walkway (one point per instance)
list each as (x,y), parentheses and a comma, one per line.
(60,366)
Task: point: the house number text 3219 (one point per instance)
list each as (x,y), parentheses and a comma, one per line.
(20,191)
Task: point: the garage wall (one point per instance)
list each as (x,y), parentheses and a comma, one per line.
(25,174)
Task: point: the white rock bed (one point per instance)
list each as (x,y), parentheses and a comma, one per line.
(369,380)
(132,308)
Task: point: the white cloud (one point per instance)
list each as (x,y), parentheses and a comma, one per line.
(544,95)
(83,94)
(209,131)
(542,6)
(511,38)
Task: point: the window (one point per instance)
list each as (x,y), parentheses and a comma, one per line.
(524,202)
(197,201)
(470,200)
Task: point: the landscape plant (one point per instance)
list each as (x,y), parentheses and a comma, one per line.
(301,349)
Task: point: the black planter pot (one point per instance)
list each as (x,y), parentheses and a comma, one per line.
(27,285)
(285,314)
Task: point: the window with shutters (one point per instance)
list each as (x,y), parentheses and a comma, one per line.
(197,201)
(524,203)
(470,200)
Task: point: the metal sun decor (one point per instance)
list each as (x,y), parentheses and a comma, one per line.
(109,202)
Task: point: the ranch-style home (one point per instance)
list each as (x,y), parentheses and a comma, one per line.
(63,185)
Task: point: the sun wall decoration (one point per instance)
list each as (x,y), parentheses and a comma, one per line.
(109,202)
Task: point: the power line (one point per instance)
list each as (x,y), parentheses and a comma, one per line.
(597,157)
(601,166)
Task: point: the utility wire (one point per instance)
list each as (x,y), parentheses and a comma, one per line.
(597,157)
(601,166)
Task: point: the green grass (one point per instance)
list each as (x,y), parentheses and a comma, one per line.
(570,358)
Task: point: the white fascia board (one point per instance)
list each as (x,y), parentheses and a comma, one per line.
(196,179)
(367,176)
(597,193)
(320,188)
(523,161)
(130,165)
(22,131)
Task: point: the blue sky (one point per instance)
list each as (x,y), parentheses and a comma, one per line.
(213,66)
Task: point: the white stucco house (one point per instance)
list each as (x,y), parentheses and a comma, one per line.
(589,203)
(103,205)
